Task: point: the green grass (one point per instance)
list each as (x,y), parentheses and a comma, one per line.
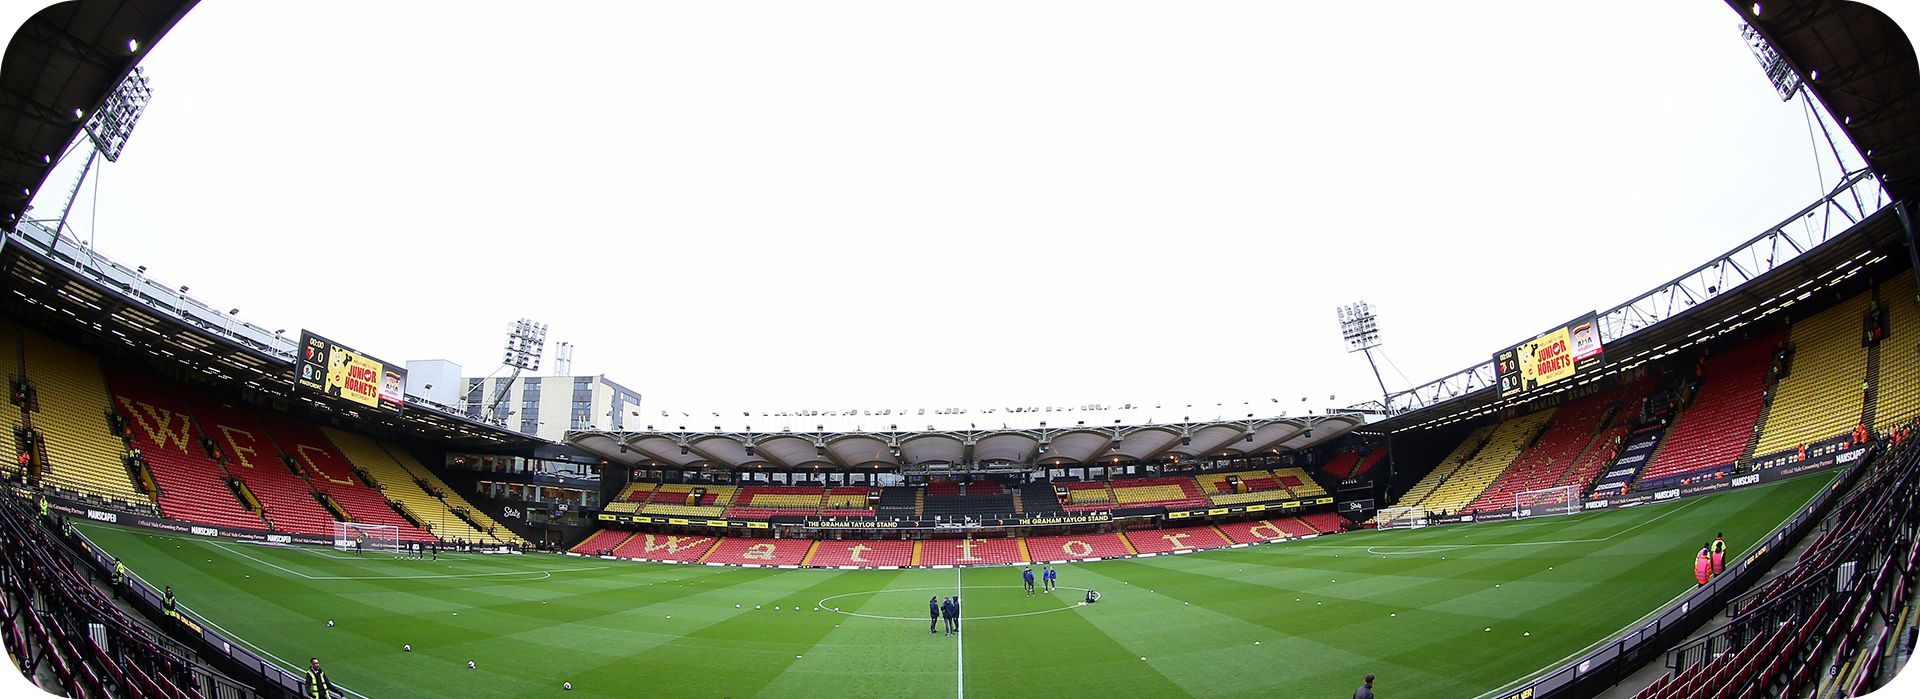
(1409,606)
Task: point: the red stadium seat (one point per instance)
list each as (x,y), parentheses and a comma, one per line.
(1073,547)
(970,551)
(665,547)
(192,486)
(766,552)
(1181,539)
(862,553)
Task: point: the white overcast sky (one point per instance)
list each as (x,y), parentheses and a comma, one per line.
(828,205)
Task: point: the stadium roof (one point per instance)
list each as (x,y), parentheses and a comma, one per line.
(940,448)
(1868,77)
(58,68)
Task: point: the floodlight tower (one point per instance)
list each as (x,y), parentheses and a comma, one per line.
(107,131)
(525,341)
(1362,333)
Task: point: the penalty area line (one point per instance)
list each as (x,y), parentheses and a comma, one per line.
(544,574)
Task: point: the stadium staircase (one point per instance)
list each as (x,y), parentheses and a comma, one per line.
(1820,396)
(82,455)
(1897,393)
(191,486)
(1721,421)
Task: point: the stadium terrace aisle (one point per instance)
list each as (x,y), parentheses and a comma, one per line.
(1305,618)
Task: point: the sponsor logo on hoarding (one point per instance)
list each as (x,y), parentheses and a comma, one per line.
(510,513)
(1667,494)
(1850,457)
(280,538)
(204,531)
(1637,446)
(1748,479)
(1636,458)
(1620,472)
(1595,505)
(102,516)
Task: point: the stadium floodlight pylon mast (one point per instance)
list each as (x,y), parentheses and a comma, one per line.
(357,537)
(526,340)
(1547,502)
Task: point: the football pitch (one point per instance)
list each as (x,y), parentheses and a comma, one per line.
(1303,618)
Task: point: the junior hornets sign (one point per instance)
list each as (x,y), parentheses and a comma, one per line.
(344,373)
(1560,353)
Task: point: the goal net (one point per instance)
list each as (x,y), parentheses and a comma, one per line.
(371,538)
(1400,518)
(1546,502)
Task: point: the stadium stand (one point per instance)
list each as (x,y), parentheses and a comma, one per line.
(665,547)
(1472,478)
(332,473)
(766,552)
(861,553)
(1217,483)
(670,500)
(1262,531)
(1547,462)
(970,551)
(82,454)
(897,502)
(1820,396)
(1088,496)
(1897,395)
(1255,496)
(1446,467)
(762,502)
(484,527)
(1297,480)
(192,486)
(1039,498)
(396,483)
(252,458)
(1180,491)
(1716,428)
(1073,547)
(605,540)
(1179,539)
(1324,522)
(968,505)
(847,501)
(10,368)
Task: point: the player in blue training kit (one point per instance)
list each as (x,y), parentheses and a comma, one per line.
(1028,576)
(933,610)
(1049,576)
(947,613)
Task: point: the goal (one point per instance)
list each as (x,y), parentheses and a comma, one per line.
(375,538)
(1400,518)
(1546,502)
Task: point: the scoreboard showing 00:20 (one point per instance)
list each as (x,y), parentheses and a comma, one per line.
(343,373)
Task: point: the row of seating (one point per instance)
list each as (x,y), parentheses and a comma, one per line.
(1820,397)
(1715,428)
(862,552)
(1471,479)
(1897,399)
(1451,463)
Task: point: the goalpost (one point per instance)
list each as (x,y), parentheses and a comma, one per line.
(1547,502)
(374,538)
(1400,518)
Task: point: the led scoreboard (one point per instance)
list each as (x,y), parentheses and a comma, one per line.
(344,373)
(1561,353)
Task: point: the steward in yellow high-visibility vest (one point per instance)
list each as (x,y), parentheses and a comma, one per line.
(317,685)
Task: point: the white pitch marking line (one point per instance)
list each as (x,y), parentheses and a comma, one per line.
(544,574)
(824,600)
(960,664)
(1436,548)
